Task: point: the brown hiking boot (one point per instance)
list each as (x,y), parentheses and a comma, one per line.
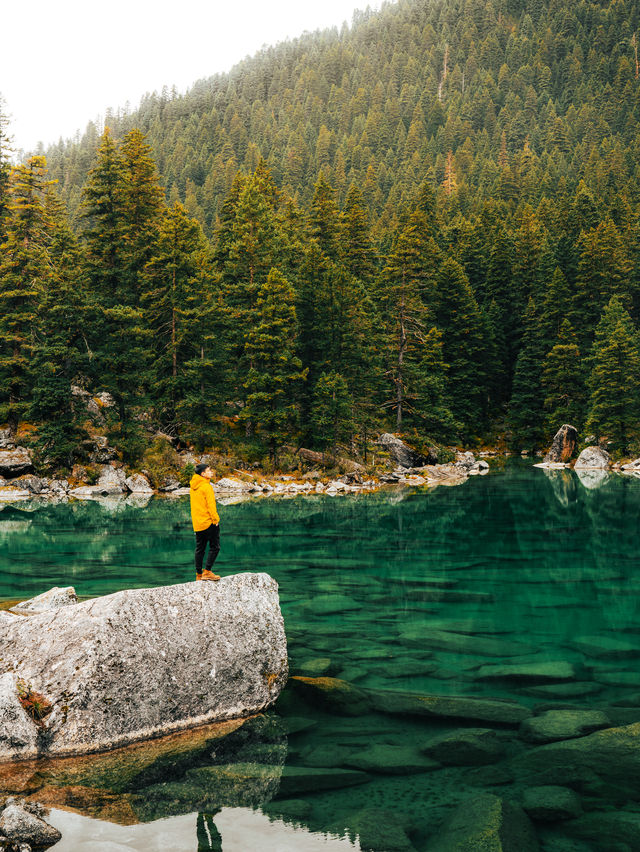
(209,575)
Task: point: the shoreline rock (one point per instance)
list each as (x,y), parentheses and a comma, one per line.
(141,663)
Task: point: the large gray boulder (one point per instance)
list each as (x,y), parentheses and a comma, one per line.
(400,452)
(112,480)
(14,462)
(594,458)
(563,445)
(145,662)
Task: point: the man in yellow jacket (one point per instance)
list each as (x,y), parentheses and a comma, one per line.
(206,522)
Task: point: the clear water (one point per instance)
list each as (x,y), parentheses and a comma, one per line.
(409,592)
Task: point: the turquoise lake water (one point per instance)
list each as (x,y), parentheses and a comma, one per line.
(520,586)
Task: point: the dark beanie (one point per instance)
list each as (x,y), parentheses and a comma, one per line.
(200,468)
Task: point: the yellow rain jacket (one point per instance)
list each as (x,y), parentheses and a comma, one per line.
(203,503)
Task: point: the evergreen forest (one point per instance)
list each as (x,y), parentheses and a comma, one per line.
(426,222)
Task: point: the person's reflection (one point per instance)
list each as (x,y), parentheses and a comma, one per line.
(209,839)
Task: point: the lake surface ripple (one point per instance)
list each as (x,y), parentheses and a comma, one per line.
(424,627)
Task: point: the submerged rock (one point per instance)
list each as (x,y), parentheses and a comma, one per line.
(606,647)
(611,756)
(531,672)
(387,759)
(551,804)
(145,662)
(295,780)
(486,823)
(618,831)
(490,710)
(466,747)
(562,725)
(377,831)
(457,643)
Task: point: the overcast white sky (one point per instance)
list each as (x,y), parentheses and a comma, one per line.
(63,63)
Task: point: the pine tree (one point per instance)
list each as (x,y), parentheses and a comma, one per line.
(25,270)
(5,167)
(525,414)
(459,319)
(142,207)
(276,372)
(614,379)
(106,225)
(178,305)
(323,218)
(563,381)
(331,416)
(60,352)
(357,252)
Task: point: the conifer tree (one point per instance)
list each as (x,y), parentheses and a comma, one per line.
(323,218)
(25,269)
(60,352)
(332,412)
(525,415)
(614,378)
(5,166)
(178,306)
(357,252)
(459,319)
(563,381)
(106,225)
(142,207)
(275,374)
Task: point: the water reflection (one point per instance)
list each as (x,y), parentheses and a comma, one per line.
(411,616)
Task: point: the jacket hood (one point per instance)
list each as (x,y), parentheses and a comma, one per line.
(198,481)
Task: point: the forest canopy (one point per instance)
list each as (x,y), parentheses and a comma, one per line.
(427,221)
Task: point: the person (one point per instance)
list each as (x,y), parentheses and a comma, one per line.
(205,519)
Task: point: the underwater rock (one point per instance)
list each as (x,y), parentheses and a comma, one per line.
(492,710)
(528,671)
(234,785)
(377,831)
(606,761)
(571,689)
(332,604)
(308,779)
(605,647)
(53,599)
(619,827)
(20,825)
(386,759)
(466,747)
(133,665)
(562,725)
(551,804)
(456,643)
(316,667)
(338,695)
(486,822)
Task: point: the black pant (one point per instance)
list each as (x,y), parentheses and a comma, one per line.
(211,536)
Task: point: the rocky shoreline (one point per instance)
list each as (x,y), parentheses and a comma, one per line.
(19,482)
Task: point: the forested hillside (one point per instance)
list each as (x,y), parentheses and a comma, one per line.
(427,221)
